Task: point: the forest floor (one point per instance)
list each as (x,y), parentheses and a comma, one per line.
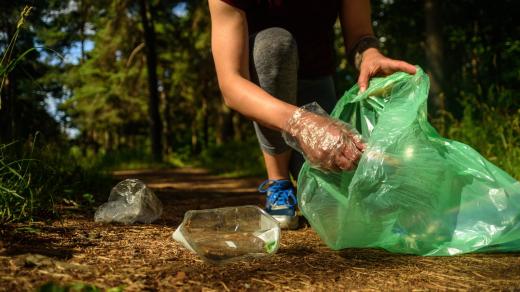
(144,257)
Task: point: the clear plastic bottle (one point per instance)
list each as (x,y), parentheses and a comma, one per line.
(231,233)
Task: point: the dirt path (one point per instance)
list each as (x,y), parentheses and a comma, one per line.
(144,257)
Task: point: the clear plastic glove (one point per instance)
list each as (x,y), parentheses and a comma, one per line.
(328,144)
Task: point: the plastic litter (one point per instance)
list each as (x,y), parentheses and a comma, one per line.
(130,201)
(227,234)
(413,191)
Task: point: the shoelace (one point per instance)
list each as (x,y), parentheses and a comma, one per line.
(281,192)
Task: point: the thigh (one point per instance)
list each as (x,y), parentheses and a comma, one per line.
(273,62)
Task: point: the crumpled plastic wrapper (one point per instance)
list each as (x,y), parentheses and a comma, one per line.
(130,201)
(326,143)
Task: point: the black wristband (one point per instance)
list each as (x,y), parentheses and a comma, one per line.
(364,43)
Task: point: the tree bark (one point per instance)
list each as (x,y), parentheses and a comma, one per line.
(205,121)
(434,55)
(151,62)
(166,119)
(224,131)
(82,31)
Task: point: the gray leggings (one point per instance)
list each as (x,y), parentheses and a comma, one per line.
(274,67)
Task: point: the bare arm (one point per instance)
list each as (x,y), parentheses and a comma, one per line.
(356,23)
(229,42)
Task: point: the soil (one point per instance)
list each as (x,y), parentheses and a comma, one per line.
(144,257)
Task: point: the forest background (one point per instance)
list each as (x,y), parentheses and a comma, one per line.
(92,86)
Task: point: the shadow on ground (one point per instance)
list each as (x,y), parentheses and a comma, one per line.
(144,257)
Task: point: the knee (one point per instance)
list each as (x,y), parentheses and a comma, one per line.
(275,44)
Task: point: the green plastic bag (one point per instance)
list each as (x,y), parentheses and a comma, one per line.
(413,191)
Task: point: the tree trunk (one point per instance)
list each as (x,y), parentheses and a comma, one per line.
(434,55)
(8,102)
(224,131)
(151,62)
(166,119)
(82,31)
(195,144)
(238,123)
(205,122)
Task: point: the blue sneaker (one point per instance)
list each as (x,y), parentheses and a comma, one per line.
(281,202)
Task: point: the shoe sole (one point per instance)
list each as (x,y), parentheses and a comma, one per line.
(287,222)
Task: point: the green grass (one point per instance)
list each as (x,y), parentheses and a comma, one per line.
(35,178)
(7,63)
(491,126)
(16,197)
(233,159)
(124,158)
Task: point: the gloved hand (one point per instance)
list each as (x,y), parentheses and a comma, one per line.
(328,144)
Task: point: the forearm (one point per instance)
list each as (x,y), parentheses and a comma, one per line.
(253,102)
(355,21)
(231,54)
(364,54)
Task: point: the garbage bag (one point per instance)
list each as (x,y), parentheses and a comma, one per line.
(413,191)
(130,201)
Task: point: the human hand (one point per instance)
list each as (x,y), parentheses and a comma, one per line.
(327,143)
(373,63)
